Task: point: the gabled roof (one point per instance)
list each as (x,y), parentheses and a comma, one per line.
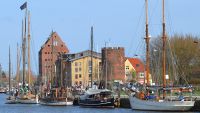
(50,37)
(137,64)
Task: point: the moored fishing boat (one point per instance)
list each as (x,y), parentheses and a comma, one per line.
(97,98)
(56,98)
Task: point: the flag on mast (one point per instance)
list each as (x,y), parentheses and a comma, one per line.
(23,6)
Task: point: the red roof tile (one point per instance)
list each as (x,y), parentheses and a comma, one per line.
(137,64)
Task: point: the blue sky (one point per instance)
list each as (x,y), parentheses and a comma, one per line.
(118,22)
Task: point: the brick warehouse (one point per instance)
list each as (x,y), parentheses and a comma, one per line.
(48,55)
(115,58)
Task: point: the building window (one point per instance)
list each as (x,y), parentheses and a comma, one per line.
(79,69)
(76,76)
(79,63)
(55,43)
(61,45)
(137,65)
(76,83)
(80,82)
(76,64)
(127,67)
(48,45)
(141,75)
(76,69)
(45,52)
(45,59)
(79,75)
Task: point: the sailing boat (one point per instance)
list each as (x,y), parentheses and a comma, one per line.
(57,99)
(94,97)
(138,100)
(25,96)
(58,94)
(11,98)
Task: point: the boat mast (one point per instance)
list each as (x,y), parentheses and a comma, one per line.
(9,70)
(29,57)
(24,51)
(147,45)
(164,48)
(18,65)
(91,56)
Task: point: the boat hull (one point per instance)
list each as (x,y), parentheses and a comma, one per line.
(12,101)
(97,103)
(28,101)
(56,103)
(138,104)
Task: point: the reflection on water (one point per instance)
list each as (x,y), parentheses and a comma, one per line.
(33,108)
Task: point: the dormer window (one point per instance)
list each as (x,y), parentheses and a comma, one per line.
(55,43)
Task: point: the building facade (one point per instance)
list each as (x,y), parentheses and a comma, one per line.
(135,70)
(78,68)
(113,59)
(48,54)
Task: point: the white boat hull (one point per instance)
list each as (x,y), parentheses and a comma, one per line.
(56,103)
(12,101)
(28,101)
(139,104)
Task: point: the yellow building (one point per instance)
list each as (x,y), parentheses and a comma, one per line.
(78,68)
(129,71)
(135,70)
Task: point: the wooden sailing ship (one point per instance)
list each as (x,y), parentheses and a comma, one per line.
(25,96)
(142,101)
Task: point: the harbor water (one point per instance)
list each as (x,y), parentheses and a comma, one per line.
(37,108)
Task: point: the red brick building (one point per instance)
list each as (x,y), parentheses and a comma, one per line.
(48,55)
(113,59)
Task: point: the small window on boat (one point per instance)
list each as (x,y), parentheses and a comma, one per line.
(91,96)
